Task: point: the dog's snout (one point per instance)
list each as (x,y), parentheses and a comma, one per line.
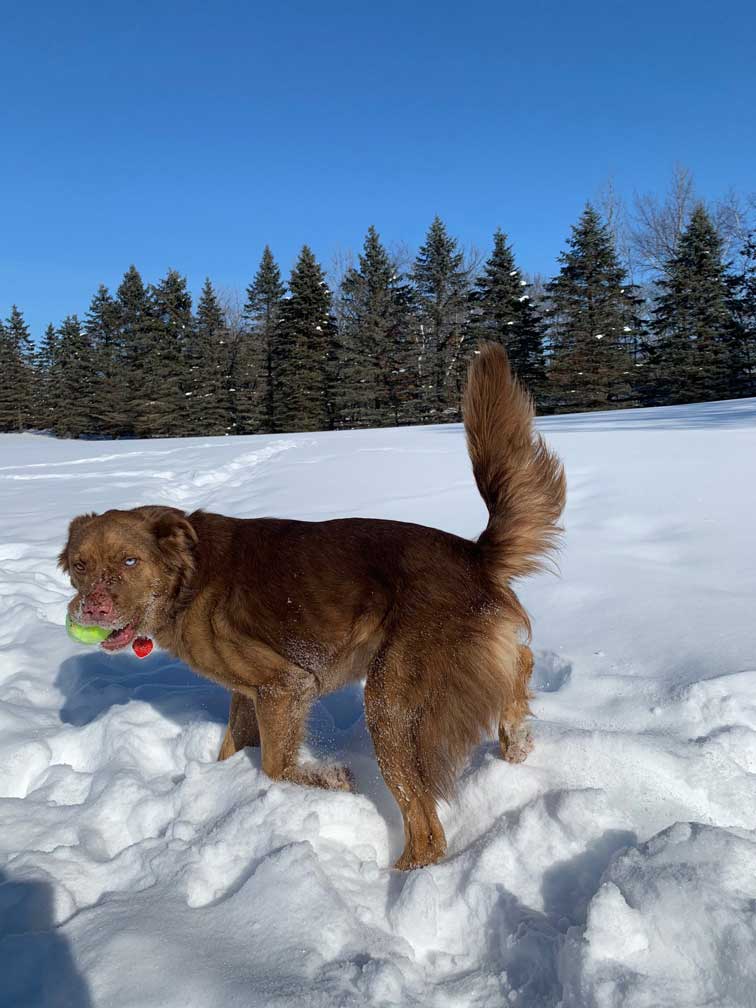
(98,606)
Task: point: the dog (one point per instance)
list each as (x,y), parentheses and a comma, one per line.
(281,612)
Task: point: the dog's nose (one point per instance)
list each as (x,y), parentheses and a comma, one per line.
(98,605)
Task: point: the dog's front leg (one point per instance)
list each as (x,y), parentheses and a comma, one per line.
(282,715)
(242,730)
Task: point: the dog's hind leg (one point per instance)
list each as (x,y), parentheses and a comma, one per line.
(395,732)
(514,736)
(282,716)
(242,730)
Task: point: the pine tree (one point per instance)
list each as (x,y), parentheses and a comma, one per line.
(17,411)
(303,377)
(75,382)
(259,352)
(693,323)
(593,315)
(743,286)
(377,381)
(48,402)
(504,313)
(163,399)
(11,405)
(206,364)
(442,286)
(103,329)
(135,340)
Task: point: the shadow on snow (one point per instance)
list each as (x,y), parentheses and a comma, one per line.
(36,962)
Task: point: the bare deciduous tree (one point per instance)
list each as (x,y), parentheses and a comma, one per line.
(342,260)
(612,208)
(657,224)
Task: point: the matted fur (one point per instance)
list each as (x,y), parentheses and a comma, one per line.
(282,611)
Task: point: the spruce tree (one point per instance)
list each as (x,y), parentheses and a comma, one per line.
(11,404)
(75,382)
(743,372)
(103,329)
(504,313)
(259,351)
(303,376)
(593,315)
(48,401)
(17,411)
(135,340)
(377,379)
(163,393)
(693,323)
(442,286)
(206,363)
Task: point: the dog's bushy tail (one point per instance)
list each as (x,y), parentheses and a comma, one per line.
(520,480)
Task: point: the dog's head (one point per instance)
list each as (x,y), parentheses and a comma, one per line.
(128,569)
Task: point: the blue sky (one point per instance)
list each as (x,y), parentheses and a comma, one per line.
(189,135)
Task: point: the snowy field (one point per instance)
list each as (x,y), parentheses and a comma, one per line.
(616,867)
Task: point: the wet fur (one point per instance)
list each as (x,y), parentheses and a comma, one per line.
(283,611)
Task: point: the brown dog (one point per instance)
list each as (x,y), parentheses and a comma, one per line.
(281,612)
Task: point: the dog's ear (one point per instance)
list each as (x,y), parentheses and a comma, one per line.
(176,538)
(76,526)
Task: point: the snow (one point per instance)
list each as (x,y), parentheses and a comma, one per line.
(615,867)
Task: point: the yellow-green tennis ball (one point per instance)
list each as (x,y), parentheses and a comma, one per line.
(85,634)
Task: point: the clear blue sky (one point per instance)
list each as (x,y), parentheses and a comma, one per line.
(189,135)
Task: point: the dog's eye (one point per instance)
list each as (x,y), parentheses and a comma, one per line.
(79,566)
(131,561)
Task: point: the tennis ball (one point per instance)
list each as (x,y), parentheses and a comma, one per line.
(85,634)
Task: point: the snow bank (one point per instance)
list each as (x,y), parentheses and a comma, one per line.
(673,923)
(615,867)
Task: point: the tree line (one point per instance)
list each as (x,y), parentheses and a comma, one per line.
(391,344)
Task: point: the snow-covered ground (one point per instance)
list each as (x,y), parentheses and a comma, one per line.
(616,867)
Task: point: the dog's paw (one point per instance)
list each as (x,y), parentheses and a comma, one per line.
(517,745)
(421,855)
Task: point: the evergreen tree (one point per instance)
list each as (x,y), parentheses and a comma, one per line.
(377,381)
(103,329)
(302,390)
(163,395)
(691,359)
(11,404)
(593,316)
(75,382)
(207,370)
(442,287)
(47,399)
(17,411)
(260,350)
(135,342)
(505,314)
(743,374)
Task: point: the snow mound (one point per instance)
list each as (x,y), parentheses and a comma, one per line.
(673,923)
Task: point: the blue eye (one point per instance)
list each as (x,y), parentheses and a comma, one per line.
(131,561)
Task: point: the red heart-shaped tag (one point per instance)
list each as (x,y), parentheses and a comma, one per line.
(142,646)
